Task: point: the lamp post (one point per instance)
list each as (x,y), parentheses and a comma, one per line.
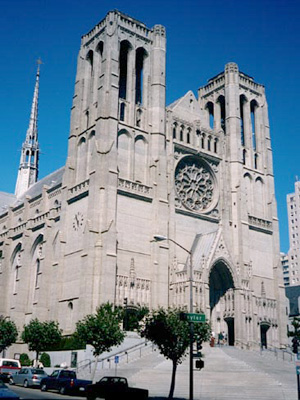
(160,238)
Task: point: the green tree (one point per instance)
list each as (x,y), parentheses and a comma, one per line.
(295,334)
(41,335)
(8,333)
(172,336)
(25,360)
(45,360)
(101,330)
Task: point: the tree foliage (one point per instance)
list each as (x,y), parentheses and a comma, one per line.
(101,330)
(8,333)
(172,336)
(45,360)
(25,360)
(296,325)
(41,335)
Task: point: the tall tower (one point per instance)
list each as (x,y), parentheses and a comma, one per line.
(28,168)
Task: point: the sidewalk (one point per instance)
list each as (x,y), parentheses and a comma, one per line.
(229,373)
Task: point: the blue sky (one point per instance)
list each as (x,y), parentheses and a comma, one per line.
(262,37)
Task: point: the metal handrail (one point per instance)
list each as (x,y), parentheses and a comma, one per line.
(88,362)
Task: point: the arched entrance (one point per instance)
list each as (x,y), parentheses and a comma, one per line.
(264,327)
(221,301)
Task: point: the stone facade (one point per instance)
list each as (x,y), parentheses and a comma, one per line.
(199,172)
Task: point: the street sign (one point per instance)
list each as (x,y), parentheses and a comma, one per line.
(298,370)
(193,317)
(116,359)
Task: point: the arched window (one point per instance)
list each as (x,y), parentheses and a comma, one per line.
(123,145)
(89,81)
(140,155)
(98,58)
(81,159)
(16,265)
(122,111)
(253,111)
(203,141)
(216,145)
(139,66)
(209,143)
(247,184)
(123,66)
(259,197)
(90,60)
(174,130)
(181,133)
(243,100)
(188,136)
(91,145)
(210,110)
(221,101)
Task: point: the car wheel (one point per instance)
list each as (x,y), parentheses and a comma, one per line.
(44,387)
(62,390)
(25,384)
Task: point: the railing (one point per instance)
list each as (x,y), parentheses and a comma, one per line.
(279,354)
(125,356)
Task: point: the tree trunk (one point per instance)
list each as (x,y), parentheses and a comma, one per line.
(172,387)
(37,359)
(95,368)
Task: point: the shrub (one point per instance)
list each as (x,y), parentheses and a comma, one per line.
(25,360)
(45,360)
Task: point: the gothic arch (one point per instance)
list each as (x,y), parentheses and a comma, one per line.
(254,122)
(17,249)
(140,158)
(259,196)
(247,191)
(16,265)
(140,55)
(222,298)
(91,146)
(243,105)
(222,112)
(124,153)
(125,49)
(209,107)
(39,239)
(81,159)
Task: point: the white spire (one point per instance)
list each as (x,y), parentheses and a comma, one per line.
(28,168)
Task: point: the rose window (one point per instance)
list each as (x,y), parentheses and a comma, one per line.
(194,185)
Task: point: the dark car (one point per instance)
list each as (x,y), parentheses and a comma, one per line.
(6,393)
(115,387)
(29,377)
(65,381)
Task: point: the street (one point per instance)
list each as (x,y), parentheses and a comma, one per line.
(28,393)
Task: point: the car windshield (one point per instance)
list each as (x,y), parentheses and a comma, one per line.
(10,364)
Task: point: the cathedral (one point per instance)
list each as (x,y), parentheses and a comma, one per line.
(156,205)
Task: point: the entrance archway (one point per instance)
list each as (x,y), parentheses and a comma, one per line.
(221,301)
(264,327)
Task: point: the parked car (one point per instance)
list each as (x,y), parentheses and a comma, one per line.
(115,387)
(8,367)
(6,393)
(65,381)
(29,377)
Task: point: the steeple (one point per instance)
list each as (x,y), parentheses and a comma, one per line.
(28,168)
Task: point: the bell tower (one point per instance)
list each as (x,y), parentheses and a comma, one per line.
(28,168)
